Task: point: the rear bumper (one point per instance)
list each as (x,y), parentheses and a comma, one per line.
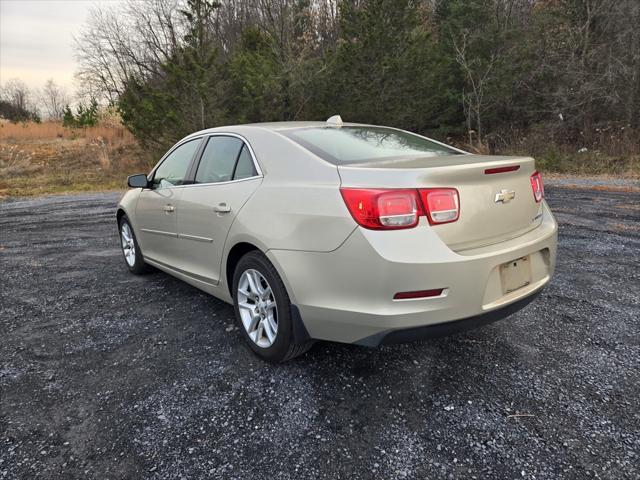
(347,295)
(391,337)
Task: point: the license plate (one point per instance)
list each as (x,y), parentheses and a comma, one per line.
(515,274)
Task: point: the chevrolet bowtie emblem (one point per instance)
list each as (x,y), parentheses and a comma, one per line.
(505,196)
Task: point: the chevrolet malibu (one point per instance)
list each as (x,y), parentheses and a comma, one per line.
(343,232)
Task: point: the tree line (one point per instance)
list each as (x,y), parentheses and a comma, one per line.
(19,103)
(485,72)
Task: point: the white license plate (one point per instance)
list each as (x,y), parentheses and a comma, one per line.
(515,274)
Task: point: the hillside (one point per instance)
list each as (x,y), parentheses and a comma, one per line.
(47,158)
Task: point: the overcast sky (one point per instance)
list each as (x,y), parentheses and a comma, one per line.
(36,39)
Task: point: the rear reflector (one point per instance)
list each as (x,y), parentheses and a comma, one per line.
(512,168)
(442,205)
(537,186)
(418,294)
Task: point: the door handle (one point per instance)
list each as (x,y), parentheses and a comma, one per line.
(169,208)
(222,208)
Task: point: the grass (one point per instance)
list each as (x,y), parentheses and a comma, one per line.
(111,133)
(611,150)
(47,158)
(589,164)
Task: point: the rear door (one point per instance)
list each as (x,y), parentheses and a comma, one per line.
(224,179)
(156,210)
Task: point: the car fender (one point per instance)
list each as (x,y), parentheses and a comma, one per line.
(127,204)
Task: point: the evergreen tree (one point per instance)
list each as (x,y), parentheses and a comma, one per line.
(255,79)
(388,69)
(68,119)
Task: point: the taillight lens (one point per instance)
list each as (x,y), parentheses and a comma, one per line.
(442,205)
(378,209)
(537,186)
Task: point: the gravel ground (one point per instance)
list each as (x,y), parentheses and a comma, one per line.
(107,375)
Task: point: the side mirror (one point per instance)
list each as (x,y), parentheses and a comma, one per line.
(138,181)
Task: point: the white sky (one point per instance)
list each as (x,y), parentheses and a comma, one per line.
(36,39)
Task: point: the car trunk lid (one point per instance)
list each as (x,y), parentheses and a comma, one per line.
(496,198)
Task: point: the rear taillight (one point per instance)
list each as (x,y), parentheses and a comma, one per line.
(383,209)
(442,205)
(537,186)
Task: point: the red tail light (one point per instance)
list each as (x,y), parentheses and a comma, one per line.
(442,204)
(383,209)
(537,186)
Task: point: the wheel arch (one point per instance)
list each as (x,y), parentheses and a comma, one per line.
(236,252)
(241,248)
(119,214)
(300,333)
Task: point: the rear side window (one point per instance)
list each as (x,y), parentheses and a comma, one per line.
(355,144)
(244,167)
(224,159)
(173,169)
(219,159)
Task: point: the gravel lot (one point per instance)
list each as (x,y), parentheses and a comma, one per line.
(108,375)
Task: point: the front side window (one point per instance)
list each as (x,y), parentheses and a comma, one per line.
(362,144)
(224,159)
(173,170)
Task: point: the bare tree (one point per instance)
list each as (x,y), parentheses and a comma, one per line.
(478,74)
(16,92)
(54,98)
(131,42)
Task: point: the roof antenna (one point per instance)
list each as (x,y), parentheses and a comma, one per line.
(335,121)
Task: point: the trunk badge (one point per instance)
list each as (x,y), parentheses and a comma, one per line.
(505,196)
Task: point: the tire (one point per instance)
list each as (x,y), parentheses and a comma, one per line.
(130,248)
(270,302)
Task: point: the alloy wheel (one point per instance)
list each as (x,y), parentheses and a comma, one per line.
(258,309)
(128,244)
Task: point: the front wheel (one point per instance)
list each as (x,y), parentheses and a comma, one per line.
(130,248)
(263,309)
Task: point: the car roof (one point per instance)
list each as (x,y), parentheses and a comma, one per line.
(286,125)
(274,126)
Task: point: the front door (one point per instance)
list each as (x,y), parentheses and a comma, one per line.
(156,210)
(225,179)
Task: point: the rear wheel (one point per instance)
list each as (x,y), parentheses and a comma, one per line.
(130,248)
(263,309)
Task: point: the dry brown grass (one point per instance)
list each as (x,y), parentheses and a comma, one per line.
(610,150)
(48,158)
(49,131)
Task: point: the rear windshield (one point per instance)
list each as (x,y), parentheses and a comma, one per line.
(350,144)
